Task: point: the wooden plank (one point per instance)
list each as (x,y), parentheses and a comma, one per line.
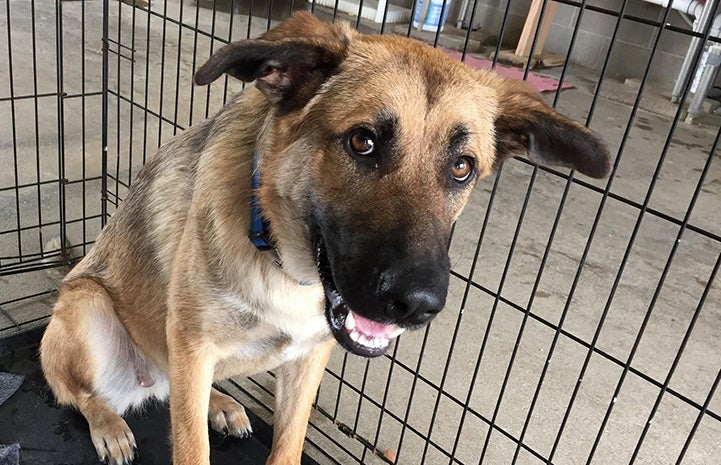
(529,28)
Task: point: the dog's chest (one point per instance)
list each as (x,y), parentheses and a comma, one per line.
(264,338)
(268,346)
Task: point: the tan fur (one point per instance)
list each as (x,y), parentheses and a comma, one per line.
(174,294)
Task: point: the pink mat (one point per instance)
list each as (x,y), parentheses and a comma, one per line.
(540,83)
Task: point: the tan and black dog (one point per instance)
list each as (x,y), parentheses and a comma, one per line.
(367,148)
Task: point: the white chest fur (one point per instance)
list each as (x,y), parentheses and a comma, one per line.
(284,327)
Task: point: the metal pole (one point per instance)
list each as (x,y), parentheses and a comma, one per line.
(710,70)
(104,155)
(700,25)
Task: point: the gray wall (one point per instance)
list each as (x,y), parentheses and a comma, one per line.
(630,54)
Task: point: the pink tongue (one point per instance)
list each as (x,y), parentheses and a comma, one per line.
(372,328)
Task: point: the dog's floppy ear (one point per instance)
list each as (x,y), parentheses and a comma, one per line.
(525,124)
(288,62)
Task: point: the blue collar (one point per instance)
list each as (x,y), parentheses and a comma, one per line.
(259,226)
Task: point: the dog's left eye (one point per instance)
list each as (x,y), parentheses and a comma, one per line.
(462,169)
(361,142)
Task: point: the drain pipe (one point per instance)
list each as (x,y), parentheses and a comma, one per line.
(703,14)
(691,7)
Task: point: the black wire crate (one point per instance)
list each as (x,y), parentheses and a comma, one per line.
(584,316)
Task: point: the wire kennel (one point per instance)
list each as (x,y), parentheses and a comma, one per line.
(583,321)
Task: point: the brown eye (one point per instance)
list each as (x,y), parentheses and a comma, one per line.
(462,169)
(362,142)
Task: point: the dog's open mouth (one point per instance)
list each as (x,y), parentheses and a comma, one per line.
(354,332)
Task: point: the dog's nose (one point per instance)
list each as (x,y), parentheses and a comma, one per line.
(413,298)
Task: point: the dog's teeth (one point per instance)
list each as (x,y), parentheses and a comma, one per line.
(354,336)
(396,332)
(365,340)
(350,322)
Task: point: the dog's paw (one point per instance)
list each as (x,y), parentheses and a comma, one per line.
(227,416)
(114,442)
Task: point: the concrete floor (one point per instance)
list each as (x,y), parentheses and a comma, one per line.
(164,59)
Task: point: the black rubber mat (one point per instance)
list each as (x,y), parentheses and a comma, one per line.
(52,435)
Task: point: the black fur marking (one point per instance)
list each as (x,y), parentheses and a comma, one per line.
(458,139)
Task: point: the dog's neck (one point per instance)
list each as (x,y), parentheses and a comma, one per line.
(259,226)
(259,233)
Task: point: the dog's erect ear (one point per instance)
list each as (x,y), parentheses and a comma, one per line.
(288,62)
(526,125)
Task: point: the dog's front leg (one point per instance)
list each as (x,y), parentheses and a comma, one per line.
(191,379)
(296,385)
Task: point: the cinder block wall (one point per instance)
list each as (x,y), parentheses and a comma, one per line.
(631,51)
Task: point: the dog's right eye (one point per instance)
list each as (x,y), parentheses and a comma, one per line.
(361,142)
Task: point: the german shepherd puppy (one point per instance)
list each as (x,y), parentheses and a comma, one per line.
(366,148)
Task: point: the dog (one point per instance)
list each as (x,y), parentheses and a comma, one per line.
(315,208)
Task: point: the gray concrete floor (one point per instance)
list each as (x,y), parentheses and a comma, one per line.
(163,60)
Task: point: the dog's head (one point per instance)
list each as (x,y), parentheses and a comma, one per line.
(377,142)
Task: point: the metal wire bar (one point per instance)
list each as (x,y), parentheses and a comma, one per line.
(161,92)
(29,297)
(123,45)
(529,61)
(83,126)
(467,40)
(502,282)
(564,68)
(131,126)
(501,33)
(230,37)
(61,122)
(37,125)
(360,404)
(267,408)
(385,16)
(195,56)
(385,397)
(17,98)
(177,69)
(212,43)
(700,416)
(626,201)
(639,20)
(437,37)
(11,82)
(147,110)
(549,244)
(340,386)
(9,317)
(464,300)
(414,5)
(583,343)
(250,19)
(358,15)
(677,358)
(404,421)
(416,376)
(119,43)
(628,249)
(30,323)
(631,242)
(146,91)
(539,275)
(262,387)
(119,80)
(105,118)
(38,267)
(43,183)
